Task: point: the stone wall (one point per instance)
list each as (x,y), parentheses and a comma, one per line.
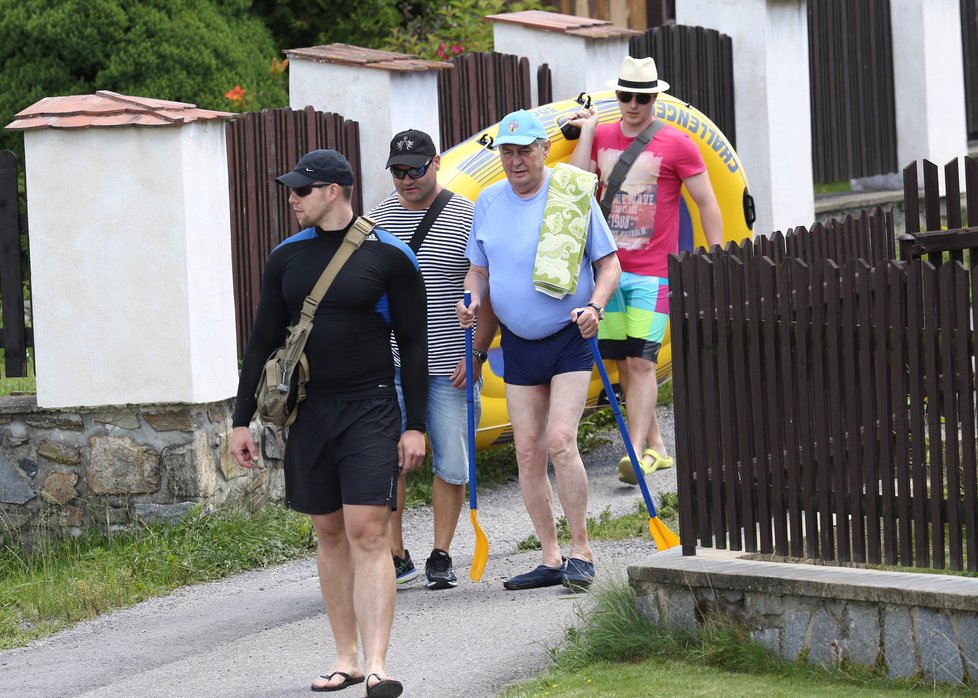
(62,470)
(901,624)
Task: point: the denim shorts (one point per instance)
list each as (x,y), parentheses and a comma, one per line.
(448,426)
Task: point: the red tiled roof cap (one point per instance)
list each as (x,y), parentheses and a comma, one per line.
(564,24)
(106,108)
(367,57)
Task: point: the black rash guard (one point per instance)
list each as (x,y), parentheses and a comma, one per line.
(380,288)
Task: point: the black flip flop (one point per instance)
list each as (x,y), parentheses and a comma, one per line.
(347,681)
(384,688)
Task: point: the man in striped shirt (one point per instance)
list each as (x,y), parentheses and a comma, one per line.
(438,239)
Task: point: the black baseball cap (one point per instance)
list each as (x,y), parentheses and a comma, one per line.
(319,166)
(411,148)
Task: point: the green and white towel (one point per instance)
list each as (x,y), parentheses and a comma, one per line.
(563,234)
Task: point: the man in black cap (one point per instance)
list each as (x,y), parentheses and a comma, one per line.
(436,223)
(346,447)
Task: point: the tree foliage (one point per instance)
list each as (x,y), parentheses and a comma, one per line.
(428,28)
(303,23)
(184,50)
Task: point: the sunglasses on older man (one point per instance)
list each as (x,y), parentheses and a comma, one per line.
(412,172)
(626,97)
(307,189)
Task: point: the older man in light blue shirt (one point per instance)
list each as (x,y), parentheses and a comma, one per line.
(547,359)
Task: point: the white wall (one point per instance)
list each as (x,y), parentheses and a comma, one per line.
(576,64)
(131,265)
(383,102)
(928,77)
(771,101)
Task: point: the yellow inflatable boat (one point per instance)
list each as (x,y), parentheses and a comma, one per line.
(472,165)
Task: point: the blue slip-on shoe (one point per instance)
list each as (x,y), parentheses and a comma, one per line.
(542,576)
(578,574)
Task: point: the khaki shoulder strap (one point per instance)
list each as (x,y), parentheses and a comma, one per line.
(361,229)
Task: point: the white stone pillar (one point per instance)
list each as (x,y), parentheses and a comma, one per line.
(583,53)
(928,77)
(771,101)
(130,249)
(385,92)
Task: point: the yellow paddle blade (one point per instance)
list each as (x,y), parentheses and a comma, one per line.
(663,537)
(481,548)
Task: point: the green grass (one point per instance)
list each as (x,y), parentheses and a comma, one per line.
(833,187)
(50,584)
(26,385)
(612,649)
(665,393)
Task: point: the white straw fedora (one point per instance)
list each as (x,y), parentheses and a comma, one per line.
(638,75)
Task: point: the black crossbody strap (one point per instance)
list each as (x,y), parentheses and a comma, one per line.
(429,218)
(625,162)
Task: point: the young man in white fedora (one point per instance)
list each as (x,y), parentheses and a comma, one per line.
(644,219)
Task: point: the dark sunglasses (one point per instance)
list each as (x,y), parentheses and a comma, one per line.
(413,173)
(626,97)
(307,190)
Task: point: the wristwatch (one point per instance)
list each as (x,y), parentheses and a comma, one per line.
(598,308)
(480,355)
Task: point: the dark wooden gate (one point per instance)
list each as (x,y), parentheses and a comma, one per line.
(261,146)
(15,337)
(698,65)
(825,391)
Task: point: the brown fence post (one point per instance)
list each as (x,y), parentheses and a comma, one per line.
(14,337)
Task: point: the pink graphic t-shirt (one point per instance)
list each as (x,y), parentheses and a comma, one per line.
(644,217)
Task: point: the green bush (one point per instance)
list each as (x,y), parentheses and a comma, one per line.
(185,50)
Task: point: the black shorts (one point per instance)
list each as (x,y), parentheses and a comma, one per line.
(342,452)
(621,349)
(537,361)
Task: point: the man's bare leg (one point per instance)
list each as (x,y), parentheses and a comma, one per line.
(368,531)
(528,406)
(568,393)
(334,562)
(643,392)
(446,500)
(397,520)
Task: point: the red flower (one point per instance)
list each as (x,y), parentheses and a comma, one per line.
(457,49)
(236,94)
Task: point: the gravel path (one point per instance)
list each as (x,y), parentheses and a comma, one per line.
(264,633)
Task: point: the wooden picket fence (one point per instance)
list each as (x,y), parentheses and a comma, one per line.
(482,89)
(825,392)
(698,65)
(261,146)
